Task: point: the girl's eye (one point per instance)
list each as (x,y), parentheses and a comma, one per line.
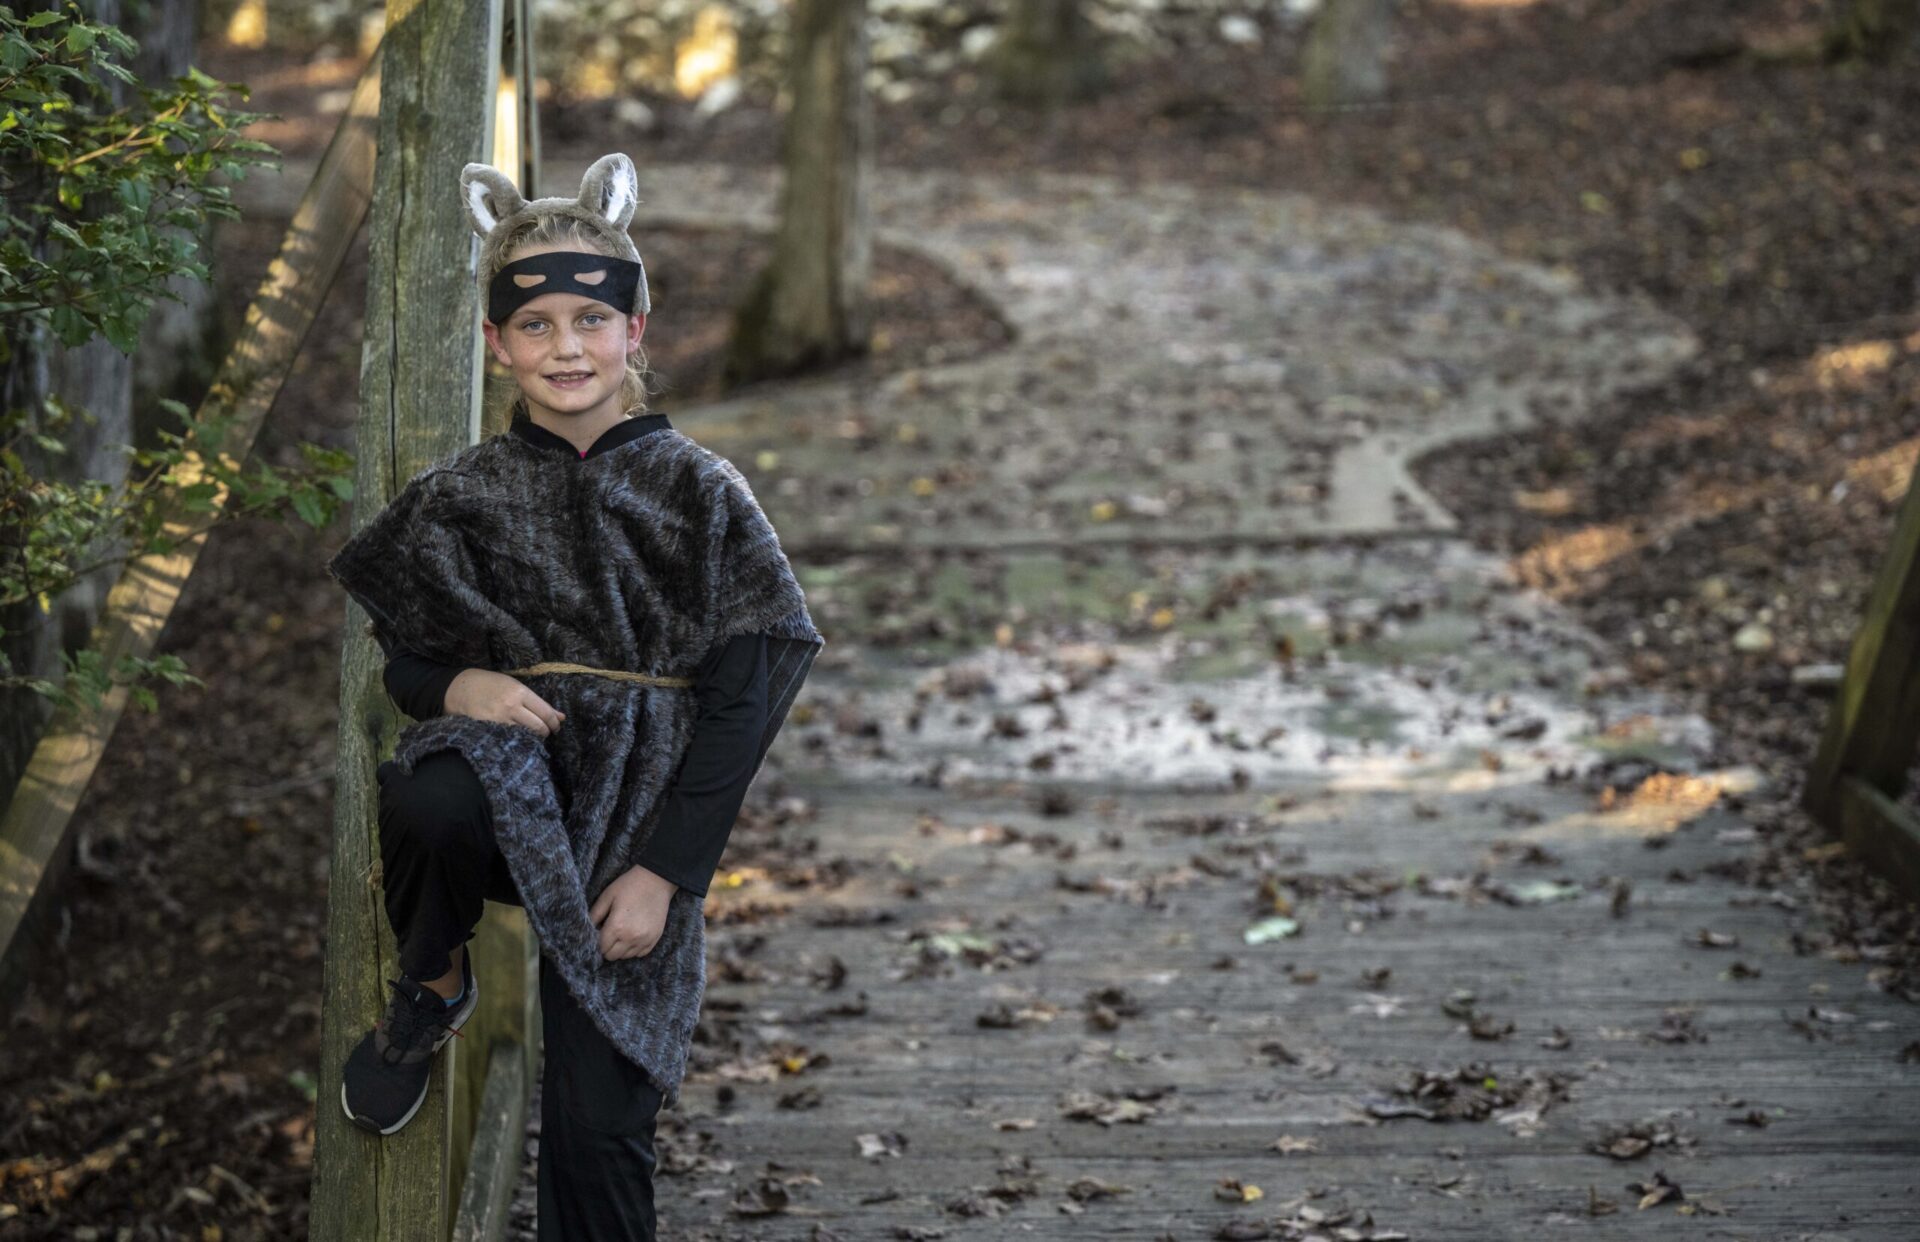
(535,325)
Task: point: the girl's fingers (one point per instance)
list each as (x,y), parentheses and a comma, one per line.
(522,716)
(543,709)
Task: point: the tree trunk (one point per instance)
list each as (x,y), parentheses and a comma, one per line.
(1047,55)
(181,342)
(1345,59)
(809,305)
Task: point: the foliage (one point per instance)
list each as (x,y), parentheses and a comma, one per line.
(101,206)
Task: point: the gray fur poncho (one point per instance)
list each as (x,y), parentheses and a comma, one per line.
(638,558)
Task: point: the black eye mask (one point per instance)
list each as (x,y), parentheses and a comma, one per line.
(563,271)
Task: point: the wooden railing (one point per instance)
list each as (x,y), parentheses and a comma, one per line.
(1869,745)
(456,87)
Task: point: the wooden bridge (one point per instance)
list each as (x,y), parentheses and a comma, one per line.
(1194,1089)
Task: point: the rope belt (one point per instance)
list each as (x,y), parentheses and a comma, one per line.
(557,666)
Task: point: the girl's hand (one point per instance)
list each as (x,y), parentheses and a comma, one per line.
(631,913)
(487,695)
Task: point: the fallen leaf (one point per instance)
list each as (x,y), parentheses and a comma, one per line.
(1276,927)
(888,1143)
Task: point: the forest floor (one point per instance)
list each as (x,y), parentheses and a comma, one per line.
(1743,232)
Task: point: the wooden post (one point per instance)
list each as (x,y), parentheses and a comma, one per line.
(419,403)
(1871,736)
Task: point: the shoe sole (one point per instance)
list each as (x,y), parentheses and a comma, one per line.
(460,1017)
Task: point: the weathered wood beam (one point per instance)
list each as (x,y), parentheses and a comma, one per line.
(1874,728)
(1881,832)
(486,1197)
(419,403)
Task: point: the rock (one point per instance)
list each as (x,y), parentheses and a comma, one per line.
(635,114)
(1239,28)
(1753,636)
(723,94)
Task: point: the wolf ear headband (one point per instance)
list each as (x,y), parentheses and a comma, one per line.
(608,194)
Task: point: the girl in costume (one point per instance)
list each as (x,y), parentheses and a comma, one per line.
(592,623)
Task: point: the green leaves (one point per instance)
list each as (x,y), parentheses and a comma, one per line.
(102,202)
(305,1083)
(61,531)
(87,681)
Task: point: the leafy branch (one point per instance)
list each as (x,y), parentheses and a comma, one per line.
(102,205)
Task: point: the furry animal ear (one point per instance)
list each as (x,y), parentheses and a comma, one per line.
(611,188)
(490,196)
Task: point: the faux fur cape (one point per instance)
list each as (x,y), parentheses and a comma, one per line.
(637,558)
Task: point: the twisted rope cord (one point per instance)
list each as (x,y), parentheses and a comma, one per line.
(559,666)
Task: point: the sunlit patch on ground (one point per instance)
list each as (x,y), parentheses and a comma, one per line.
(1400,667)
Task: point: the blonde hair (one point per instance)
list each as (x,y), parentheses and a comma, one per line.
(503,391)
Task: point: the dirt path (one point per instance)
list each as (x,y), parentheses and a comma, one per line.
(1003,954)
(1263,365)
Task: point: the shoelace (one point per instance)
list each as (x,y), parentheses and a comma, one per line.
(410,1018)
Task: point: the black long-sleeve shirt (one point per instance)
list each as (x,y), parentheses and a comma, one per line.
(704,796)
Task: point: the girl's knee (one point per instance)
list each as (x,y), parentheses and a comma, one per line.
(440,804)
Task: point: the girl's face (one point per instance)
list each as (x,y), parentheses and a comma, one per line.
(568,352)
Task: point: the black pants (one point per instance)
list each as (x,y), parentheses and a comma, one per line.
(597,1108)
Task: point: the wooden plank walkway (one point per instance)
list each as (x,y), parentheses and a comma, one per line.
(1775,1095)
(996,981)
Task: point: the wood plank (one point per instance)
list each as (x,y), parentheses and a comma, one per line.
(34,845)
(1874,727)
(506,964)
(1836,1154)
(1880,831)
(487,1193)
(1429,1193)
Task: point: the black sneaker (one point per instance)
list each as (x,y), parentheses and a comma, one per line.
(386,1075)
